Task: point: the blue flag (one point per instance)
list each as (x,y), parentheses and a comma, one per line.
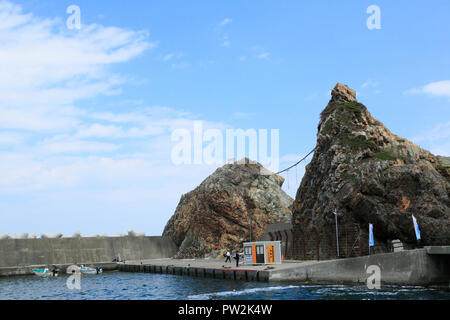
(371,244)
(416,228)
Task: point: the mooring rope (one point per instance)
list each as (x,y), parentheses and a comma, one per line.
(296,164)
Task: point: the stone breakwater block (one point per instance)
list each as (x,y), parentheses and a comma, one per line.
(263,276)
(210,273)
(178,270)
(196,272)
(229,274)
(252,275)
(201,272)
(241,274)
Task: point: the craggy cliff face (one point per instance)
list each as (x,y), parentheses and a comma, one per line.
(371,176)
(219,211)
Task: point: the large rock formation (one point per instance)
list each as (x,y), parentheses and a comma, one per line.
(219,212)
(371,176)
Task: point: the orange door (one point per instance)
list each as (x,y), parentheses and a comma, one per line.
(254,253)
(270,254)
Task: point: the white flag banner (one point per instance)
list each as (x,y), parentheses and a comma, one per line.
(416,228)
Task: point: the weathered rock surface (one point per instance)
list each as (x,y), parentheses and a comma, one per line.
(217,213)
(371,176)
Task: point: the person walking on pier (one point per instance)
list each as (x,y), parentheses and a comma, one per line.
(228,255)
(236,256)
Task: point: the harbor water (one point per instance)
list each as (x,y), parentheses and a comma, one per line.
(145,286)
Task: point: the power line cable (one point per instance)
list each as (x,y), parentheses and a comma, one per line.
(296,164)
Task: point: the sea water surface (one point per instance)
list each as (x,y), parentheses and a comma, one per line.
(145,286)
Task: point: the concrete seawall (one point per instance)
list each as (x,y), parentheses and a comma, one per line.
(412,267)
(15,254)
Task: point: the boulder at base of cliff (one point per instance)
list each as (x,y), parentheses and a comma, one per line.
(219,214)
(370,176)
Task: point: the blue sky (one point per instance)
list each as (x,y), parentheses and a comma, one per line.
(86,115)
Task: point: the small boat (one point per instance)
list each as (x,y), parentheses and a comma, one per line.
(45,273)
(87,270)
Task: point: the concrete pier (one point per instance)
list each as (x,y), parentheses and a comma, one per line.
(412,267)
(203,268)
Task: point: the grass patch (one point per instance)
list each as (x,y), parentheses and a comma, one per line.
(352,107)
(349,177)
(328,127)
(385,155)
(356,142)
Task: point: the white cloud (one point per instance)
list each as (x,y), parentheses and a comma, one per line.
(439,89)
(436,139)
(242,115)
(439,132)
(369,83)
(263,56)
(225,22)
(116,132)
(94,164)
(11,138)
(180,65)
(43,64)
(226,41)
(70,145)
(172,56)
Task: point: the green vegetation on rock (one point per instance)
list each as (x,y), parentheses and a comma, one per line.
(356,142)
(347,176)
(352,107)
(385,155)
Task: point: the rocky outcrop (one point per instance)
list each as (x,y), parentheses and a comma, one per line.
(218,213)
(371,176)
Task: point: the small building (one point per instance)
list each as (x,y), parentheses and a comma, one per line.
(262,252)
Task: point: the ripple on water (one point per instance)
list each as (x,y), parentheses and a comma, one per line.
(137,286)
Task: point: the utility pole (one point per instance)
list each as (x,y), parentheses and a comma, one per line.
(250,224)
(337,235)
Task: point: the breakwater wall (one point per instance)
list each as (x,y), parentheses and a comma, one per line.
(20,253)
